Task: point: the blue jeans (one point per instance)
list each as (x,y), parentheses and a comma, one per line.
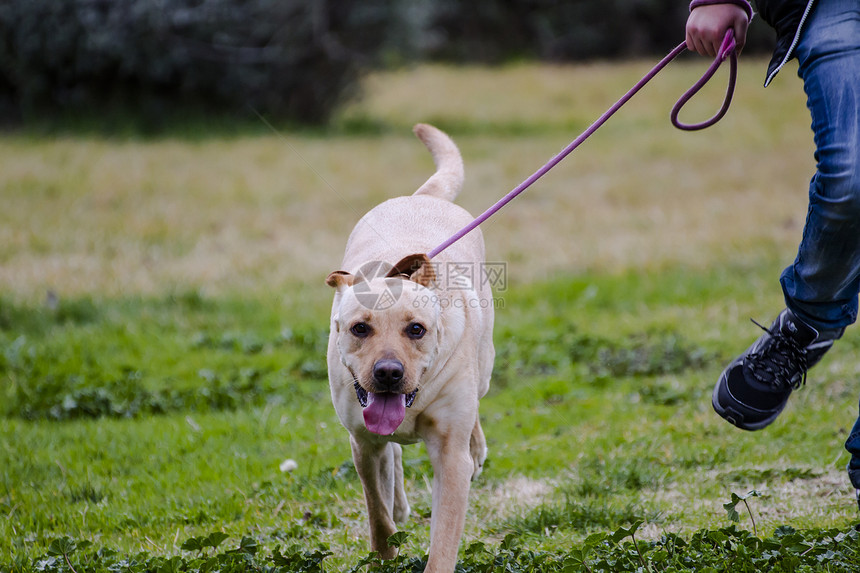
(821,286)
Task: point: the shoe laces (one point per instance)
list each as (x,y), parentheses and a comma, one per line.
(779,361)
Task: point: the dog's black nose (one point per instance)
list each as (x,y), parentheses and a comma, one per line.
(388,372)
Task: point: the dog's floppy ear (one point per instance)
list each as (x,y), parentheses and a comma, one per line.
(417,268)
(339,280)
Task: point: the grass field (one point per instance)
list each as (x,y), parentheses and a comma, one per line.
(163,322)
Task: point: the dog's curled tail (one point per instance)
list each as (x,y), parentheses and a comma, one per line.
(448,179)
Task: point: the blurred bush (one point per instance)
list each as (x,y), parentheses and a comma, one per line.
(563,30)
(288,59)
(295,59)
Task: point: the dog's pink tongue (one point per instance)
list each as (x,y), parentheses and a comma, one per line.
(384,412)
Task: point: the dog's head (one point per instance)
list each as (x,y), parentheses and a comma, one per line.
(386,324)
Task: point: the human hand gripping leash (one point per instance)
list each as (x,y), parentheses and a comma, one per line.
(727,50)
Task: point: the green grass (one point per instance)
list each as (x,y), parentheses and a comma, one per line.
(163,326)
(599,417)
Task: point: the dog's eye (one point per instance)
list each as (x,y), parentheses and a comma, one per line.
(360,329)
(415,330)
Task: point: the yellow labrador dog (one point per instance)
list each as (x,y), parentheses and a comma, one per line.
(410,352)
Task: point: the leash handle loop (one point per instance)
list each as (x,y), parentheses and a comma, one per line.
(727,50)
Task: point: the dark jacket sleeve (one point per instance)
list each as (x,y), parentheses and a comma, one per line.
(785,17)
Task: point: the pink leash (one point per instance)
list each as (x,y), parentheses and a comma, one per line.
(726,50)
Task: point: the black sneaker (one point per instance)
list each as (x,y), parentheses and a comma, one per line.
(753,390)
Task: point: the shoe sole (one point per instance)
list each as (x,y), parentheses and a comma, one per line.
(732,416)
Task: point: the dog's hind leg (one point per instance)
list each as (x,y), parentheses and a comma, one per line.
(401,504)
(477,448)
(375,464)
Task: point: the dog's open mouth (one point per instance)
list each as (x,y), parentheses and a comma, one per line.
(383,413)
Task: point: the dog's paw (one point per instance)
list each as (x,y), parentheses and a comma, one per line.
(402,511)
(478,458)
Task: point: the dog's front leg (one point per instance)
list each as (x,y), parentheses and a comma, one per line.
(452,470)
(374,463)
